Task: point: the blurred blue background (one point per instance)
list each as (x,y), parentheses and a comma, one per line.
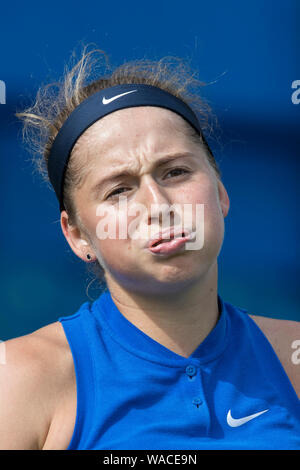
(249,53)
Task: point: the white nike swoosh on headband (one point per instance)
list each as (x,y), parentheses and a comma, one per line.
(109,100)
(234,423)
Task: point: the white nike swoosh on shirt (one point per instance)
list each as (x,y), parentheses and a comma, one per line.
(234,423)
(109,100)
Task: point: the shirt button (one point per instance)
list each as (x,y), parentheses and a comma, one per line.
(197,401)
(191,370)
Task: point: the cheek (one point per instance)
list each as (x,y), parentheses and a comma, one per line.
(202,193)
(111,238)
(206,211)
(115,254)
(213,223)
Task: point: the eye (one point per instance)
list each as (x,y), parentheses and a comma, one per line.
(178,171)
(116,192)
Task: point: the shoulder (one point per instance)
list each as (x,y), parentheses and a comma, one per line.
(39,352)
(284,336)
(36,369)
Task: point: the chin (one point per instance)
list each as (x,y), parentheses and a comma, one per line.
(165,275)
(171,279)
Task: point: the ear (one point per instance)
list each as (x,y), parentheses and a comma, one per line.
(76,239)
(223,198)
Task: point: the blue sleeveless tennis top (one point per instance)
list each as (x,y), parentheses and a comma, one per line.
(133,393)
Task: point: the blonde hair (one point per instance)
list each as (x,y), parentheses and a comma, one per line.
(56,101)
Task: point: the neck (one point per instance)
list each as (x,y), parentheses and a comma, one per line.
(180,321)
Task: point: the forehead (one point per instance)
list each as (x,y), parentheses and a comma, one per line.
(144,129)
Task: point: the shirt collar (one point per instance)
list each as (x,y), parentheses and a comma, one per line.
(137,342)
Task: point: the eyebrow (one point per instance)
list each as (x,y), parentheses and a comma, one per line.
(125,173)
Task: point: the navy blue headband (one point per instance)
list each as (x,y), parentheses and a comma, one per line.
(99,105)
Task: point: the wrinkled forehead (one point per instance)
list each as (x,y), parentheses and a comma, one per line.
(130,127)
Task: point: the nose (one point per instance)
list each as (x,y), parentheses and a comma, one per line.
(157,202)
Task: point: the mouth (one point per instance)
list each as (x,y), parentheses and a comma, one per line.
(168,242)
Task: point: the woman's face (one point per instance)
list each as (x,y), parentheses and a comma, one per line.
(146,175)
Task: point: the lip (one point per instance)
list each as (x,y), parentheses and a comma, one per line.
(168,233)
(169,247)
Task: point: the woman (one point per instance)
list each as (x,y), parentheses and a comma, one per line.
(159,360)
